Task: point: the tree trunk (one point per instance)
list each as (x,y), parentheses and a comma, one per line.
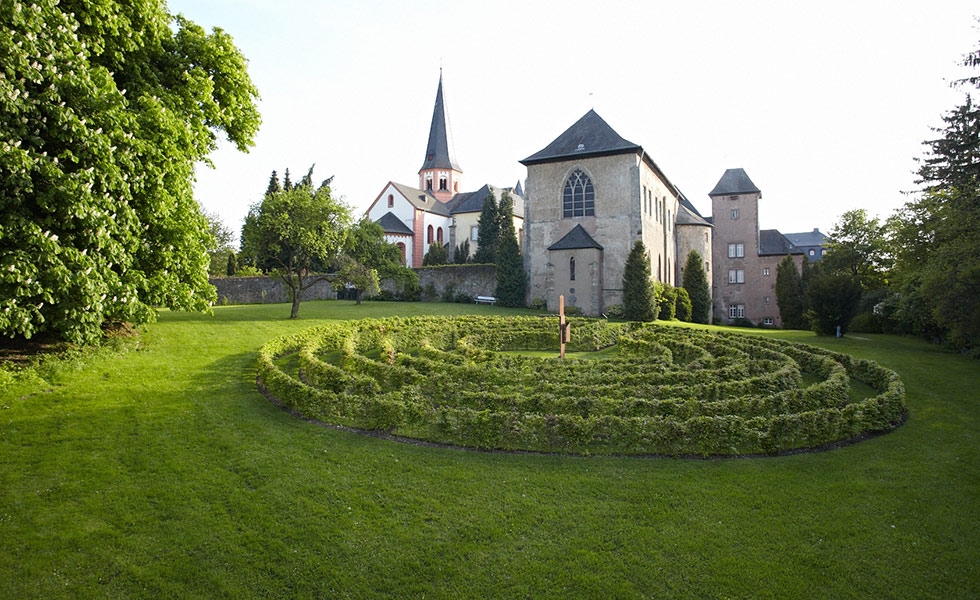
(357,296)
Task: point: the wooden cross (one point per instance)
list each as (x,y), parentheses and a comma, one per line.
(564,330)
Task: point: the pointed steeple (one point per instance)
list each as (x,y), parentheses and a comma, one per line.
(439,153)
(440,173)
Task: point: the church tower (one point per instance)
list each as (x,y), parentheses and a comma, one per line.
(440,173)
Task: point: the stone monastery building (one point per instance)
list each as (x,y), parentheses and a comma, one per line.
(589,195)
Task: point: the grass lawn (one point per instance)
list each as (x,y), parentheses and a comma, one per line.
(161,472)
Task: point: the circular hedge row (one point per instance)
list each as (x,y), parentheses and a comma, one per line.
(653,390)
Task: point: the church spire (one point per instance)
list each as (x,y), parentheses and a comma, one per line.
(440,172)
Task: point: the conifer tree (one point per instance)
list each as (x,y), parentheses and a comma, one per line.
(638,291)
(488,232)
(462,253)
(273,184)
(696,283)
(789,294)
(511,278)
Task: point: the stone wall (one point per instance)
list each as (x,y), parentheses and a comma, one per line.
(469,280)
(262,290)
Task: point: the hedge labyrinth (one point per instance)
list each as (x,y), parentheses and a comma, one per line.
(646,390)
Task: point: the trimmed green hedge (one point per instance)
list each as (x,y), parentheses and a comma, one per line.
(662,390)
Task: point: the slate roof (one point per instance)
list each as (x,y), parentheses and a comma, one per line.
(688,215)
(469,202)
(734,181)
(392,224)
(771,242)
(807,238)
(439,153)
(590,136)
(575,239)
(415,196)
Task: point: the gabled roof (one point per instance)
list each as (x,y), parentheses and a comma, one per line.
(771,242)
(421,199)
(734,181)
(807,238)
(589,136)
(439,153)
(688,215)
(392,224)
(470,202)
(575,239)
(518,189)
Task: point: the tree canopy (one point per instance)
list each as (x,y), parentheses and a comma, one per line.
(935,240)
(106,106)
(298,234)
(789,294)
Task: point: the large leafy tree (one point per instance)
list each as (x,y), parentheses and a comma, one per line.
(695,281)
(297,234)
(832,300)
(488,232)
(639,302)
(858,246)
(511,278)
(105,107)
(790,294)
(368,251)
(936,245)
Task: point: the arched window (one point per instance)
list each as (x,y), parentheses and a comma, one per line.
(571,269)
(578,199)
(391,200)
(439,235)
(428,237)
(401,247)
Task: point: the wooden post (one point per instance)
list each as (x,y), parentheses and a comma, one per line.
(561,327)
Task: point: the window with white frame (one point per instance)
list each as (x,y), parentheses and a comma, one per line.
(736,276)
(734,214)
(736,311)
(765,271)
(736,250)
(474,233)
(768,321)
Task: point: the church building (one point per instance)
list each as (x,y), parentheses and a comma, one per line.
(436,212)
(590,195)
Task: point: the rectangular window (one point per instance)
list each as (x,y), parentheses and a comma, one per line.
(731,311)
(474,233)
(740,311)
(731,250)
(734,214)
(767,321)
(736,276)
(731,275)
(766,299)
(765,271)
(736,250)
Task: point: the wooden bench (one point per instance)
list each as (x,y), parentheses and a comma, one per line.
(485,300)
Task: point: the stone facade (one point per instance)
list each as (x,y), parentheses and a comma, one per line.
(468,280)
(633,201)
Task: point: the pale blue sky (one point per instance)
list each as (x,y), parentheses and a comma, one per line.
(825,105)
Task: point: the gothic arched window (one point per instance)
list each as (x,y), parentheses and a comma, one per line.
(578,199)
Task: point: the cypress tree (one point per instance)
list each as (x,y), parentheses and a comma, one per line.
(511,279)
(638,291)
(488,234)
(232,264)
(789,294)
(696,283)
